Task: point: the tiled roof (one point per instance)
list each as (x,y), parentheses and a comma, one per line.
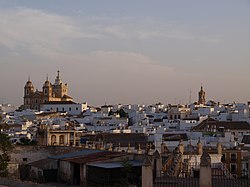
(175,137)
(66,96)
(59,102)
(231,125)
(134,139)
(110,165)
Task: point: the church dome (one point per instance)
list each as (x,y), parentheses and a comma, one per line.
(29,84)
(46,83)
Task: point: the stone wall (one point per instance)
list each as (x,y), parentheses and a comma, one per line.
(28,154)
(22,155)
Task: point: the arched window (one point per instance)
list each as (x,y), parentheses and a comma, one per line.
(53,140)
(61,139)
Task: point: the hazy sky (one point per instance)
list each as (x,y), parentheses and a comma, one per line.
(127,51)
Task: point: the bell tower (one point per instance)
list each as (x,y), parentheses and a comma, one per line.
(28,91)
(202,96)
(47,90)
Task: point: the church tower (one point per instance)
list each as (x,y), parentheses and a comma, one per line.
(47,91)
(202,97)
(59,88)
(28,92)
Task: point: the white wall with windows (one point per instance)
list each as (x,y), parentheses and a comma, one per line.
(72,109)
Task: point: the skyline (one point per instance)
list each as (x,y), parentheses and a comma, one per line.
(133,52)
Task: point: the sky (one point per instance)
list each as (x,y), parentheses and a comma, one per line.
(127,52)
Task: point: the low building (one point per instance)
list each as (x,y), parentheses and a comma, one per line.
(70,107)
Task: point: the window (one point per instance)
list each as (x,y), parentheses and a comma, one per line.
(36,101)
(27,102)
(25,159)
(53,140)
(76,108)
(69,108)
(61,139)
(233,157)
(233,168)
(223,158)
(27,92)
(45,91)
(63,109)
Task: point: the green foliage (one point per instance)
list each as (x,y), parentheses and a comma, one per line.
(127,171)
(122,113)
(26,141)
(5,147)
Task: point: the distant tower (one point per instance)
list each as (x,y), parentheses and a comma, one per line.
(47,90)
(28,92)
(59,88)
(202,96)
(58,79)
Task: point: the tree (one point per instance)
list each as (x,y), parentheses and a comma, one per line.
(3,124)
(26,141)
(127,171)
(5,147)
(122,113)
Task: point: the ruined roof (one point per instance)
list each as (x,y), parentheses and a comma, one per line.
(41,163)
(75,154)
(94,157)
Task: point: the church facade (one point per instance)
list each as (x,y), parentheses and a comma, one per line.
(34,99)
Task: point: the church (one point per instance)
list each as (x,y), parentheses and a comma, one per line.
(34,99)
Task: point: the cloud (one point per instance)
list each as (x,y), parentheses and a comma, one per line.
(42,33)
(38,31)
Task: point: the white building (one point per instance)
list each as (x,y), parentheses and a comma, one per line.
(70,107)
